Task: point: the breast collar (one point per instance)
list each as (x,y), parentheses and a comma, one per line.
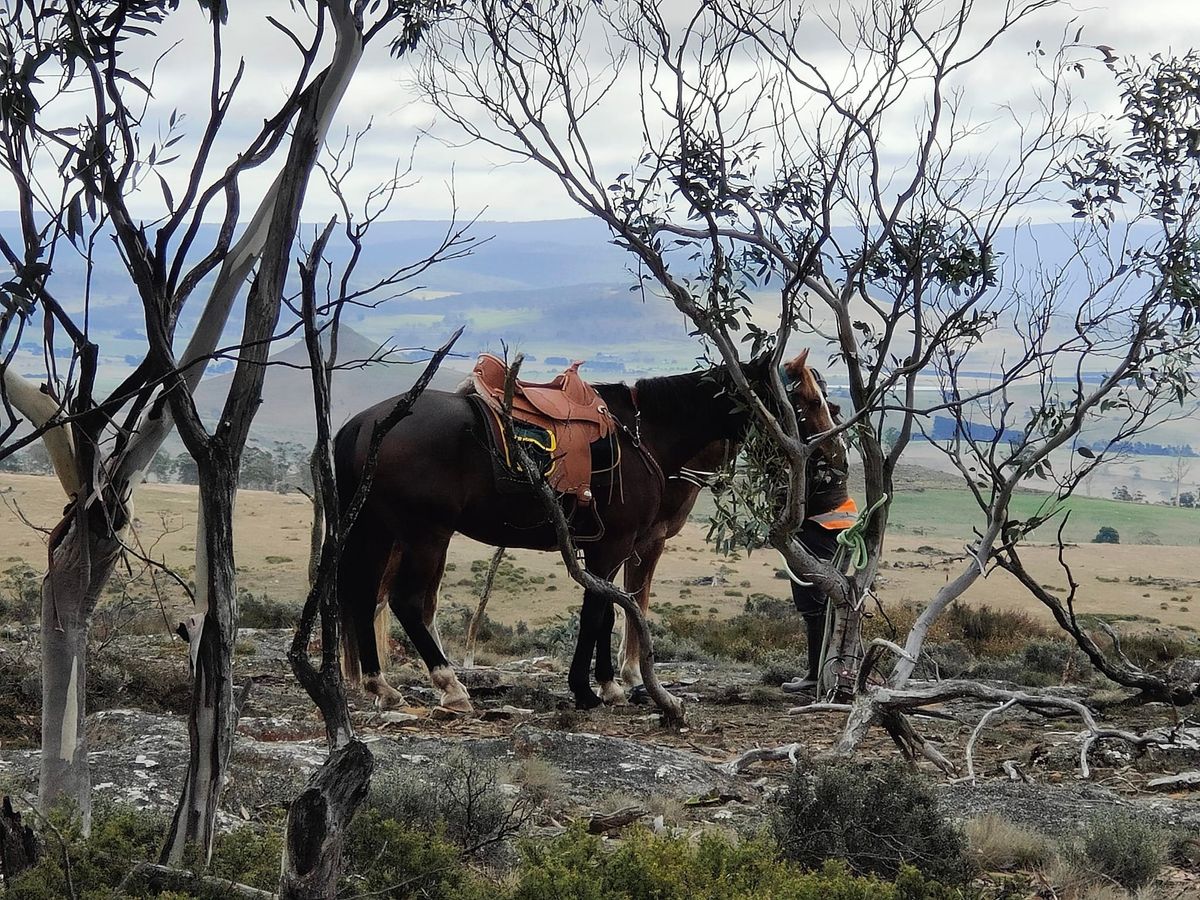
(699,477)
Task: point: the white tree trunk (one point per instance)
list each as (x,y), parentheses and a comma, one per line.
(79,567)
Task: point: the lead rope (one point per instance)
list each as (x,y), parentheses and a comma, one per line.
(850,541)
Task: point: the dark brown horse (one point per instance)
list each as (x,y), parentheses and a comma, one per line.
(436,477)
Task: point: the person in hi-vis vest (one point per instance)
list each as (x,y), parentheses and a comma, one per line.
(829,510)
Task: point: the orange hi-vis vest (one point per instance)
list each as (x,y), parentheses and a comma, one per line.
(838,519)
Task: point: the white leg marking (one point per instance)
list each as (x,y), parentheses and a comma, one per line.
(385,695)
(454,695)
(611,693)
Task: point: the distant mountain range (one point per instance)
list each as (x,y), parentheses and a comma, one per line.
(286,413)
(556,291)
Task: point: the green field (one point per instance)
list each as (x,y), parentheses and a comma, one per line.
(954,513)
(949,513)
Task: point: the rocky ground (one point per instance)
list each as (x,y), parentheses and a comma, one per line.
(622,756)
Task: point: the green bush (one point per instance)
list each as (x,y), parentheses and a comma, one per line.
(386,858)
(1040,663)
(391,859)
(20,699)
(121,838)
(1107,535)
(645,867)
(20,595)
(875,819)
(260,611)
(765,627)
(1124,849)
(556,638)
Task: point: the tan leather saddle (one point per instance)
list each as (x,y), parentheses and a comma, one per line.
(567,406)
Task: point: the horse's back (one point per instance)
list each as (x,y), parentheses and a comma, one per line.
(428,459)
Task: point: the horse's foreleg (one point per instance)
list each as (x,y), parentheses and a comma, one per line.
(591,620)
(638,575)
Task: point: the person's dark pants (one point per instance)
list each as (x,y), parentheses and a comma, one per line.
(809,599)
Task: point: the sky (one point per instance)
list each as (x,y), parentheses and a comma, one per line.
(484,181)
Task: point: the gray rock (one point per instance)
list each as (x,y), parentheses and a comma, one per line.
(1059,809)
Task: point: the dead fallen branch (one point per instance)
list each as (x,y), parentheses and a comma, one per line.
(889,707)
(739,764)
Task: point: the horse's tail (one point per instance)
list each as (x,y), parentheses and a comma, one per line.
(350,593)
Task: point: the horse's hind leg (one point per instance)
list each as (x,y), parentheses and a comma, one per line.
(412,585)
(639,572)
(364,617)
(610,692)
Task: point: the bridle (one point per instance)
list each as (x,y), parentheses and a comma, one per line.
(699,477)
(702,478)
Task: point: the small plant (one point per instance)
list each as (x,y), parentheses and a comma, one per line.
(577,865)
(20,595)
(260,611)
(458,797)
(1107,535)
(876,820)
(996,844)
(1124,849)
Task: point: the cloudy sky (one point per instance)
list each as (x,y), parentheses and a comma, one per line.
(485,180)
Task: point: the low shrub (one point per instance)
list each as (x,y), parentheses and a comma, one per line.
(1040,663)
(457,797)
(875,819)
(1122,848)
(1153,650)
(20,699)
(20,595)
(577,865)
(260,611)
(992,632)
(556,638)
(997,844)
(766,626)
(983,630)
(779,666)
(121,837)
(119,680)
(388,858)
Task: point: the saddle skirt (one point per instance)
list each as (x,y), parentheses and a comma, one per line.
(567,407)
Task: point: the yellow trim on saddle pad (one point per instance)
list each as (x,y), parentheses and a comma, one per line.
(528,439)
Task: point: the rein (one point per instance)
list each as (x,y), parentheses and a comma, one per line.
(635,437)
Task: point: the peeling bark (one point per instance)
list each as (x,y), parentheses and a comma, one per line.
(211,633)
(80,564)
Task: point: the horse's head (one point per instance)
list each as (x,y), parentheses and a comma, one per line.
(814,412)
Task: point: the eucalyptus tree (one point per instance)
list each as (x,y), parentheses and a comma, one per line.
(85,142)
(855,174)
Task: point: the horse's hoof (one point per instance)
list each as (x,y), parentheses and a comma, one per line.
(639,695)
(460,705)
(590,700)
(612,694)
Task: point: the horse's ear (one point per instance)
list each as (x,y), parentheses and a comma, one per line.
(794,367)
(757,368)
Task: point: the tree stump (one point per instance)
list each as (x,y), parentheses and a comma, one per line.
(19,848)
